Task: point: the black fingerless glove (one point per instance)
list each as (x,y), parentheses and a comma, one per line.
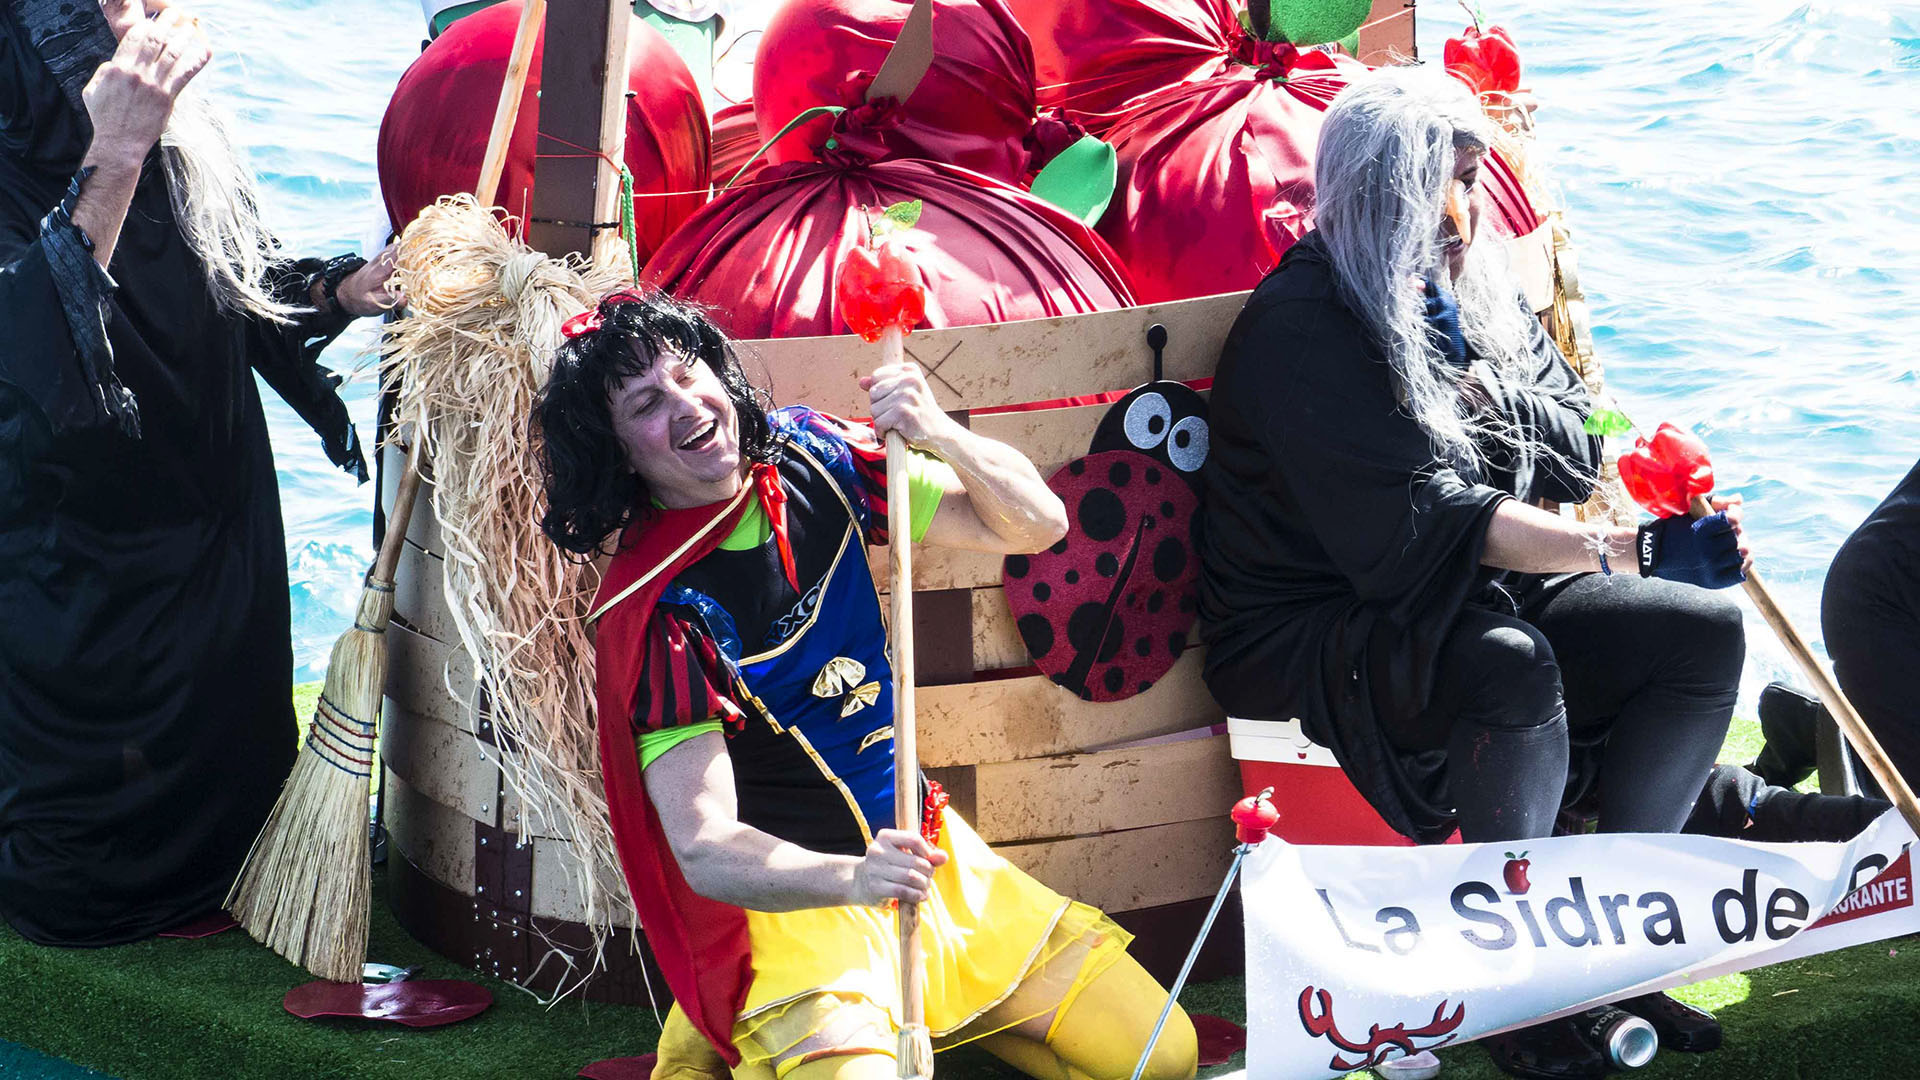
(1698,551)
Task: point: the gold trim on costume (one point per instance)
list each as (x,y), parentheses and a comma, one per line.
(859,817)
(745,490)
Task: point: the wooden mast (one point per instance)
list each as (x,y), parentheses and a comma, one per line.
(583,103)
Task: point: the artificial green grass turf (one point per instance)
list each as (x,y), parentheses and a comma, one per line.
(182,1010)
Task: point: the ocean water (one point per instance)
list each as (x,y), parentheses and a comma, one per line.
(1739,176)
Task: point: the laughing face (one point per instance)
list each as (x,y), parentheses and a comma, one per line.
(679,431)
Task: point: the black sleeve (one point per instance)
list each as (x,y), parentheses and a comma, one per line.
(54,297)
(1396,522)
(287,356)
(1549,405)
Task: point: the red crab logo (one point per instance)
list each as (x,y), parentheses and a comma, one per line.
(1373,1050)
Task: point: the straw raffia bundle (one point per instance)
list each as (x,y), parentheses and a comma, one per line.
(484,317)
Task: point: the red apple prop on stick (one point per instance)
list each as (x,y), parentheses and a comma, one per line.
(1666,472)
(1671,474)
(881,296)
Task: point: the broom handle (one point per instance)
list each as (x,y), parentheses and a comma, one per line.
(391,544)
(906,750)
(505,115)
(1842,710)
(507,112)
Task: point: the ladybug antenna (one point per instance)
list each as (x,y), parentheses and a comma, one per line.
(1156,340)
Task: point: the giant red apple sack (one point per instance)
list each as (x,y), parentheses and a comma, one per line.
(435,130)
(765,253)
(1215,128)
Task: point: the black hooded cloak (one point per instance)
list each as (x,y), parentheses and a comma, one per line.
(146,722)
(1337,551)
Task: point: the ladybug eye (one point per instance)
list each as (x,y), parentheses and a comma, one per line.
(1147,421)
(1187,446)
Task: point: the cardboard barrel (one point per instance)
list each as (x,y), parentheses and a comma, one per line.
(1122,805)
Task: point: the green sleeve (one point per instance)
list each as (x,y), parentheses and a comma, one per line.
(927,481)
(652,744)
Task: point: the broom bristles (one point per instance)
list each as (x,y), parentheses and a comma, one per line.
(306,888)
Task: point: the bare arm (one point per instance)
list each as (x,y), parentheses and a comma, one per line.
(1532,541)
(129,100)
(1002,505)
(727,860)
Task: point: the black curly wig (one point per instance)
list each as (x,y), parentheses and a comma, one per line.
(592,492)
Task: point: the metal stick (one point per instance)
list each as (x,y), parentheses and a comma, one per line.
(1193,954)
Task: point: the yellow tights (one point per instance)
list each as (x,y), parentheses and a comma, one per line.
(1098,1037)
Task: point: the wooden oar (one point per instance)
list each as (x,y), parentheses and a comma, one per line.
(915,1054)
(1842,710)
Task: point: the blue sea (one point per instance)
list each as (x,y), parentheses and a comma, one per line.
(1739,176)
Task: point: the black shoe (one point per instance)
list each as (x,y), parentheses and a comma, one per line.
(1788,721)
(1681,1026)
(1550,1051)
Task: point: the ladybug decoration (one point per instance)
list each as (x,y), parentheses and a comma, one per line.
(1107,610)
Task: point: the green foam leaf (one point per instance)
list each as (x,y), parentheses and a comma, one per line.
(901,215)
(1608,422)
(1081,179)
(1315,22)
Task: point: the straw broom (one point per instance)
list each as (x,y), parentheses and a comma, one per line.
(305,890)
(307,885)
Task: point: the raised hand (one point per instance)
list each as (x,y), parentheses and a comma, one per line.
(371,289)
(903,402)
(130,97)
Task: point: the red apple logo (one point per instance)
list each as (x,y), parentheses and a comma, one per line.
(1516,873)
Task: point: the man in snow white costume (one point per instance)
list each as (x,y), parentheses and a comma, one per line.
(745,717)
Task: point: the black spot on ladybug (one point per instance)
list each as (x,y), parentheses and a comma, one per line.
(1169,559)
(1177,642)
(1166,509)
(1018,565)
(1059,548)
(1148,522)
(1119,474)
(1086,624)
(1155,602)
(1153,475)
(1115,678)
(1144,686)
(1076,466)
(1102,515)
(1042,592)
(1037,632)
(1073,577)
(1144,646)
(1106,564)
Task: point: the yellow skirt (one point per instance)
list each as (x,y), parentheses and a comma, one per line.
(1001,949)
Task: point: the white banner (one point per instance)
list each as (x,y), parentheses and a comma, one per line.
(1359,954)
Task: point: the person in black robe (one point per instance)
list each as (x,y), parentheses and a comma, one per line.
(1870,617)
(146,721)
(1385,413)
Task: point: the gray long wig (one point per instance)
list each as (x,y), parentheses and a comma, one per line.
(1385,157)
(216,203)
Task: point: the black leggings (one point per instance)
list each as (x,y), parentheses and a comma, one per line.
(1648,667)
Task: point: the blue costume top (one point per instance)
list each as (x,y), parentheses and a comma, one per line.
(813,759)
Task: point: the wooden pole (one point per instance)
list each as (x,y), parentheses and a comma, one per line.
(507,112)
(1842,710)
(915,1056)
(583,110)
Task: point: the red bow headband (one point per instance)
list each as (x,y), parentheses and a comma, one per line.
(589,320)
